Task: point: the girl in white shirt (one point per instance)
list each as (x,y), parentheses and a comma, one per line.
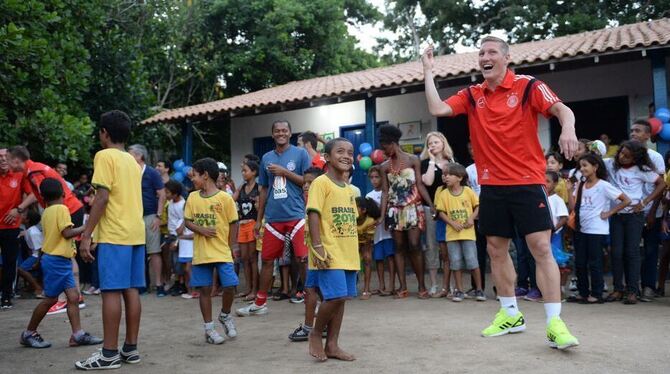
(592,211)
(629,171)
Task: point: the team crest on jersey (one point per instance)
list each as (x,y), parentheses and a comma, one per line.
(512,100)
(290,166)
(13,183)
(481,102)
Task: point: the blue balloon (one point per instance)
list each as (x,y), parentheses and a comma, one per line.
(186,169)
(365,149)
(665,132)
(178,176)
(178,165)
(663,114)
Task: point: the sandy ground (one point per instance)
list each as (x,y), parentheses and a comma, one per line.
(386,335)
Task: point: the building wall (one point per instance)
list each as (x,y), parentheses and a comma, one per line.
(632,79)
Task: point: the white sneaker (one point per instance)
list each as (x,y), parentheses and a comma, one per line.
(433,290)
(573,284)
(605,288)
(228,324)
(648,293)
(252,310)
(213,337)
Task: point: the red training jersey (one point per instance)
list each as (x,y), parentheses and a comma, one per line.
(318,161)
(503,132)
(36,172)
(12,187)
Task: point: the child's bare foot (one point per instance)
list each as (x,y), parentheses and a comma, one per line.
(316,347)
(338,354)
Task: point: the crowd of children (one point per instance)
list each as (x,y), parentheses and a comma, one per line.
(601,210)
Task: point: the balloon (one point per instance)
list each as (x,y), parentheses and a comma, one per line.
(365,163)
(665,132)
(365,149)
(656,125)
(178,164)
(377,156)
(178,176)
(661,113)
(186,169)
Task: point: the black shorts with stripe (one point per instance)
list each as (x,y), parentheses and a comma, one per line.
(506,210)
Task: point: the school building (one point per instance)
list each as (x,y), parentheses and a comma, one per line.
(607,77)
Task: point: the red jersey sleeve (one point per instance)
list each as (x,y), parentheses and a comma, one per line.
(542,98)
(459,102)
(25,186)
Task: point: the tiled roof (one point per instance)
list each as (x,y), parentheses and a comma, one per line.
(638,35)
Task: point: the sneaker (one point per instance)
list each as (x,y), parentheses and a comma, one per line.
(131,357)
(252,310)
(299,298)
(228,324)
(520,291)
(86,339)
(648,293)
(504,324)
(470,294)
(192,295)
(559,336)
(433,290)
(160,291)
(34,340)
(605,288)
(99,362)
(458,296)
(59,307)
(299,335)
(91,291)
(214,337)
(573,284)
(82,303)
(533,295)
(6,304)
(480,296)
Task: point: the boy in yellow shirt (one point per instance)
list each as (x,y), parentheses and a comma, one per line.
(212,216)
(57,252)
(332,214)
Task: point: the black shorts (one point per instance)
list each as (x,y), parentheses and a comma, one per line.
(506,210)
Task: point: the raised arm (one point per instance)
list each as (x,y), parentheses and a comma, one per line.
(436,106)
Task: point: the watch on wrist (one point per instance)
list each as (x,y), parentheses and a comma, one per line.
(20,210)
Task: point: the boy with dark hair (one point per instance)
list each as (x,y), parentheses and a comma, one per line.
(309,141)
(117,213)
(212,216)
(57,253)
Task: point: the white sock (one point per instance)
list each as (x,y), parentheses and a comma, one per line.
(552,310)
(509,304)
(209,325)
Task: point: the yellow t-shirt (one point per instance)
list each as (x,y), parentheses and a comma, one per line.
(164,219)
(55,219)
(458,208)
(611,151)
(366,230)
(219,211)
(337,207)
(562,190)
(118,172)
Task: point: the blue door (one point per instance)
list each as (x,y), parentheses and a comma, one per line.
(265,144)
(356,135)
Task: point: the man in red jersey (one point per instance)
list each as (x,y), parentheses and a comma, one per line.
(502,117)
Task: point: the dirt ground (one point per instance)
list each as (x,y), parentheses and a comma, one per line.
(386,335)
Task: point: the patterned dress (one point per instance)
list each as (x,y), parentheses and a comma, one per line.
(404,202)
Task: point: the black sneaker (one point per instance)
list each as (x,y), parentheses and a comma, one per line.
(6,304)
(131,357)
(176,290)
(160,291)
(34,340)
(299,335)
(99,362)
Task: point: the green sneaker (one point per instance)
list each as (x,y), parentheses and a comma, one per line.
(559,336)
(504,324)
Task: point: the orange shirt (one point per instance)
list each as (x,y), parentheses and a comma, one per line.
(36,172)
(503,132)
(11,187)
(318,161)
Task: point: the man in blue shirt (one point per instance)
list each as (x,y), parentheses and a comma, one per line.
(153,200)
(282,204)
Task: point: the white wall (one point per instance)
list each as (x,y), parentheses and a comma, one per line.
(632,79)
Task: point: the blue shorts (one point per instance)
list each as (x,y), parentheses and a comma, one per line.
(202,275)
(440,231)
(185,260)
(121,266)
(337,283)
(312,280)
(27,264)
(58,275)
(383,249)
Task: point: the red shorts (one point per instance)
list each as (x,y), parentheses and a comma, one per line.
(273,239)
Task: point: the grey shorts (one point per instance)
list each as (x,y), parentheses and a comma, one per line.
(153,238)
(462,255)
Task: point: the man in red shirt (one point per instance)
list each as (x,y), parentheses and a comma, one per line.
(12,204)
(309,141)
(502,117)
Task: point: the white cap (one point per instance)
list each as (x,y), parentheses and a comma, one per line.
(222,166)
(599,147)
